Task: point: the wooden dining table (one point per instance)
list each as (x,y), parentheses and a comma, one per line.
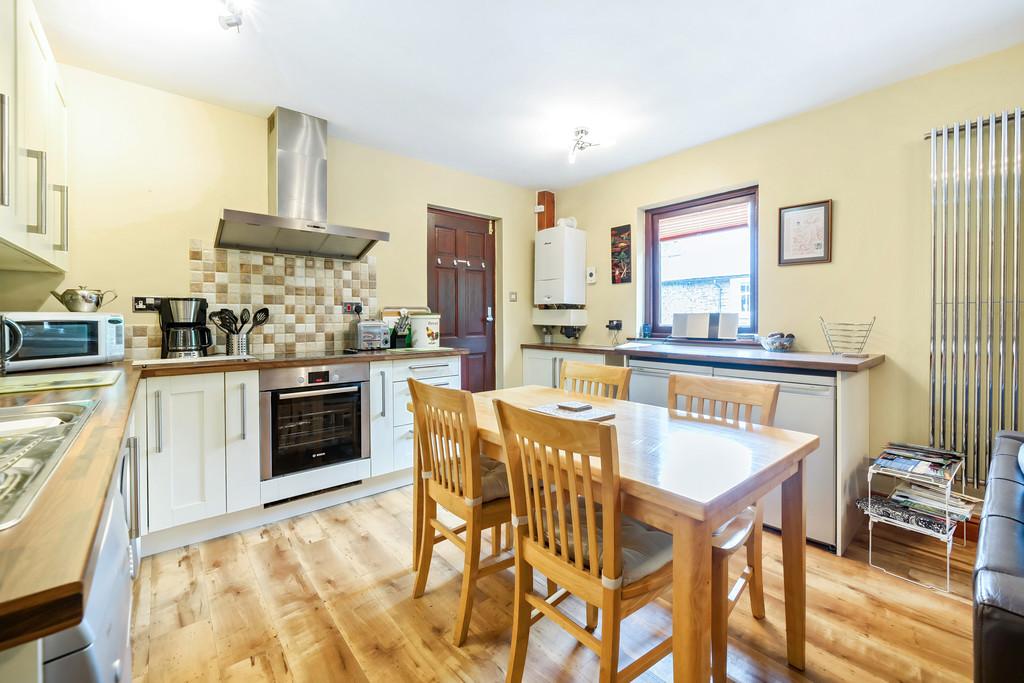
(687,475)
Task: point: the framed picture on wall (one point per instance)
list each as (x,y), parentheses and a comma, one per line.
(805,233)
(622,259)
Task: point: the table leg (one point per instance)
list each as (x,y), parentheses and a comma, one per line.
(691,601)
(794,566)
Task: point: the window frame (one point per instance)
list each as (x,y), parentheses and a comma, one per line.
(652,277)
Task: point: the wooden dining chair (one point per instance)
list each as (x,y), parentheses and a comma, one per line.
(454,475)
(568,525)
(591,379)
(741,401)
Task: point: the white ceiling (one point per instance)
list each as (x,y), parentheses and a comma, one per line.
(495,88)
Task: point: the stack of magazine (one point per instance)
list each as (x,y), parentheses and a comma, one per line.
(920,462)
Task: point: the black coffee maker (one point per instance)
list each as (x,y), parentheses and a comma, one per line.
(184,333)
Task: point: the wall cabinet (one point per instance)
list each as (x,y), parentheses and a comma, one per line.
(544,366)
(34,226)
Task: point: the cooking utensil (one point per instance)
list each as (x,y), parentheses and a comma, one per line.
(82,299)
(244,320)
(230,319)
(219,322)
(259,318)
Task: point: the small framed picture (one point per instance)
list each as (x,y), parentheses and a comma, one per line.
(805,233)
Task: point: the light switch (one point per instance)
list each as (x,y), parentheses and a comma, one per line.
(513,297)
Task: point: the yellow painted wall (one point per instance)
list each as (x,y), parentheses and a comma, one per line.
(866,154)
(150,170)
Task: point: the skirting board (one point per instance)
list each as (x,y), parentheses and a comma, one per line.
(222,525)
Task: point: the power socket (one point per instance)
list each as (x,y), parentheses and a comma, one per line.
(614,325)
(145,303)
(352,308)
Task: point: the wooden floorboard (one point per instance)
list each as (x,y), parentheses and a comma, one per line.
(328,597)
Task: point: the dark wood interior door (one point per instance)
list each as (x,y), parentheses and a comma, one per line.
(460,286)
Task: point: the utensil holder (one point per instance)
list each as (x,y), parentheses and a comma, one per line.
(237,344)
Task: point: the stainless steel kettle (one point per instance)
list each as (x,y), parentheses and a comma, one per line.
(83,299)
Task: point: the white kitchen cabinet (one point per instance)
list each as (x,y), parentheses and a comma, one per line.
(8,81)
(33,226)
(382,413)
(242,439)
(648,383)
(404,450)
(543,366)
(186,454)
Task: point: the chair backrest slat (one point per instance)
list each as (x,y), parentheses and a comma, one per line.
(591,379)
(724,397)
(446,422)
(551,464)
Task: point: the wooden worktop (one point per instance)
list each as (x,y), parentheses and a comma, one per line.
(47,559)
(269,361)
(744,354)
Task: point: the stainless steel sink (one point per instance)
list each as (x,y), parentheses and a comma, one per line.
(33,439)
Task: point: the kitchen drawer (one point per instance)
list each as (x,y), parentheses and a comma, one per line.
(426,368)
(403,447)
(402,397)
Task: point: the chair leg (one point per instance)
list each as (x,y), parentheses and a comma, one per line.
(520,622)
(591,617)
(756,585)
(426,551)
(474,536)
(611,623)
(719,617)
(552,587)
(508,536)
(418,485)
(495,539)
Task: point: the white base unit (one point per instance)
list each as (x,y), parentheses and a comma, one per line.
(834,406)
(542,367)
(560,317)
(299,483)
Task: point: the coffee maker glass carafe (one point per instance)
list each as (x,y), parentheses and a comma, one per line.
(183,327)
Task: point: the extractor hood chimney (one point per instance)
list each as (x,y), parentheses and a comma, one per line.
(297,179)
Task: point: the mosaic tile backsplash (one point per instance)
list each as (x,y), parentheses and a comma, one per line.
(304,295)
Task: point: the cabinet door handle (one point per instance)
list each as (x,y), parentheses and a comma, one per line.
(242,390)
(39,227)
(427,367)
(133,451)
(64,232)
(5,151)
(383,394)
(159,422)
(554,375)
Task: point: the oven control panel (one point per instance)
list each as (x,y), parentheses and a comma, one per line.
(319,377)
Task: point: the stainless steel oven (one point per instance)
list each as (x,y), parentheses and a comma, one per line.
(312,417)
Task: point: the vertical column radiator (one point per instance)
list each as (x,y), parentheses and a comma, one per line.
(974,353)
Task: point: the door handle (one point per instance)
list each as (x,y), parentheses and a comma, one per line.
(427,367)
(39,227)
(321,392)
(133,451)
(159,422)
(242,388)
(64,232)
(490,314)
(554,378)
(383,394)
(5,151)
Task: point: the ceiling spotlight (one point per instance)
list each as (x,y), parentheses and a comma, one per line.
(580,142)
(233,18)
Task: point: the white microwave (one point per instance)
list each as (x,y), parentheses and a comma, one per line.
(36,341)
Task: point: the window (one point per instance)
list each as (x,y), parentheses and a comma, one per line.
(702,257)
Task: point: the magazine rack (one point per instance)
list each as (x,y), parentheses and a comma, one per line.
(920,523)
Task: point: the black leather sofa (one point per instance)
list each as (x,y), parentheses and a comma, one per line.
(999,568)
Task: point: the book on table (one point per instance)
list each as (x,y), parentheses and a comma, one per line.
(577,411)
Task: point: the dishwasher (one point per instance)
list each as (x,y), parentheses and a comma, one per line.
(807,403)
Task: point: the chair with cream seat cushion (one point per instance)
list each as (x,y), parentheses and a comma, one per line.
(455,475)
(569,526)
(739,402)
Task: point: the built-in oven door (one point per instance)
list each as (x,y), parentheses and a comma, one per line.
(55,342)
(315,427)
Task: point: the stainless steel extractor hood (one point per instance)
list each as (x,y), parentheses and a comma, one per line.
(297,178)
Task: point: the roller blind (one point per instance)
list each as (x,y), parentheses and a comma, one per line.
(706,218)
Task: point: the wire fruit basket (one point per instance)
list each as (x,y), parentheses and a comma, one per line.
(846,338)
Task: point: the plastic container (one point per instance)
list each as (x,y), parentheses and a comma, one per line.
(426,331)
